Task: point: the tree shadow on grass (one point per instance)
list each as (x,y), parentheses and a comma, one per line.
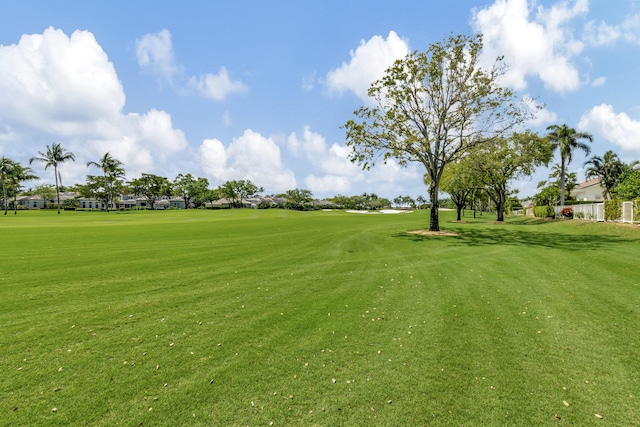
(538,236)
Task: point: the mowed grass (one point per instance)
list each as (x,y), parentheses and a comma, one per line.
(250,317)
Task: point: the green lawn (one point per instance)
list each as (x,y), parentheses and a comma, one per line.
(251,317)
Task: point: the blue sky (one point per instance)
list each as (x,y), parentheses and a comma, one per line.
(259,90)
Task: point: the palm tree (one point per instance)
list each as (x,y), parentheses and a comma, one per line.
(20,173)
(111,170)
(54,156)
(6,169)
(570,179)
(566,139)
(608,168)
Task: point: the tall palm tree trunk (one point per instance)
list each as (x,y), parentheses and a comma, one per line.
(562,169)
(55,171)
(4,197)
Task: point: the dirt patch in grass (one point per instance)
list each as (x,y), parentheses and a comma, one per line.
(433,233)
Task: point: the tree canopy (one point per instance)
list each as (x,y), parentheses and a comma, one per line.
(567,140)
(433,108)
(609,168)
(54,156)
(112,172)
(239,190)
(505,159)
(151,187)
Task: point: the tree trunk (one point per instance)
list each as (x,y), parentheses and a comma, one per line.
(501,198)
(55,171)
(434,222)
(500,207)
(109,190)
(4,197)
(562,168)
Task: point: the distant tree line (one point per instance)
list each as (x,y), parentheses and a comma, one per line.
(107,186)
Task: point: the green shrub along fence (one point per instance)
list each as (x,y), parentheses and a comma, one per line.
(609,210)
(543,211)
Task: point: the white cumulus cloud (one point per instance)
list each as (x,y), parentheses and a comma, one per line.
(55,83)
(59,88)
(618,128)
(367,64)
(537,43)
(250,156)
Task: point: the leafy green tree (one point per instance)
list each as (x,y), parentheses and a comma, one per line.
(397,201)
(570,181)
(548,196)
(341,201)
(188,187)
(150,186)
(112,171)
(6,169)
(608,168)
(629,186)
(459,182)
(298,198)
(101,188)
(505,159)
(54,156)
(567,140)
(434,108)
(46,191)
(207,196)
(18,175)
(421,201)
(407,201)
(238,191)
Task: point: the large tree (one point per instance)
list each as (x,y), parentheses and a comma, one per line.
(112,171)
(459,181)
(433,108)
(495,165)
(567,140)
(54,156)
(629,186)
(609,168)
(18,175)
(46,191)
(298,198)
(6,169)
(188,187)
(570,179)
(150,186)
(101,188)
(237,191)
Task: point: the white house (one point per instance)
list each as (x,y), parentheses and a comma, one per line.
(590,190)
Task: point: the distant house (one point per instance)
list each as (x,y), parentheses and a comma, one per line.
(37,202)
(31,202)
(590,190)
(90,203)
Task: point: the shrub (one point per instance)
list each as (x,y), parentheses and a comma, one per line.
(265,205)
(580,215)
(636,210)
(567,213)
(612,210)
(543,211)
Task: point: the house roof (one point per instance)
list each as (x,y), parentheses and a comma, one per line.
(588,183)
